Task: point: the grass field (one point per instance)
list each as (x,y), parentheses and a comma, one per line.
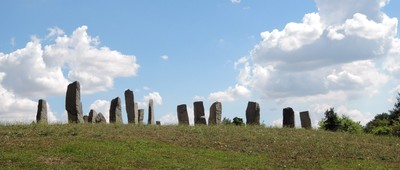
(108,146)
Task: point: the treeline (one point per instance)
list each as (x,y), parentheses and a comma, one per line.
(382,124)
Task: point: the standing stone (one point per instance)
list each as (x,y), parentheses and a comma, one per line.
(305,120)
(115,111)
(73,103)
(215,114)
(41,115)
(150,120)
(198,109)
(183,117)
(86,119)
(100,118)
(129,105)
(135,110)
(158,123)
(253,113)
(92,116)
(288,118)
(141,116)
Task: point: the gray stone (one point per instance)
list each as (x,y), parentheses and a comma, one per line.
(129,105)
(92,116)
(198,109)
(141,116)
(73,103)
(100,118)
(183,117)
(136,113)
(86,119)
(115,111)
(41,115)
(305,120)
(215,114)
(150,120)
(253,113)
(158,123)
(288,118)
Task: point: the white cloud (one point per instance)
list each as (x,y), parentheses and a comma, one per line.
(54,32)
(13,42)
(198,98)
(157,99)
(101,106)
(164,57)
(235,1)
(34,71)
(230,94)
(169,119)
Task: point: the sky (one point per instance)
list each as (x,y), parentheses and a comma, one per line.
(308,55)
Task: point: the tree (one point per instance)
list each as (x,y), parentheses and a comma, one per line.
(226,121)
(395,112)
(331,121)
(238,121)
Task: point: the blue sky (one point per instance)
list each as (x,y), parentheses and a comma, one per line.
(309,55)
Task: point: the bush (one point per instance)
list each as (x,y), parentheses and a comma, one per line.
(332,122)
(238,121)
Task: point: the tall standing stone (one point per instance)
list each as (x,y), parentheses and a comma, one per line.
(215,114)
(305,120)
(141,116)
(41,115)
(198,109)
(129,105)
(183,117)
(150,120)
(92,116)
(135,110)
(100,118)
(73,103)
(253,113)
(288,118)
(115,111)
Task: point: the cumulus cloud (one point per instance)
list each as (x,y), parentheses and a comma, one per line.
(37,71)
(169,119)
(230,94)
(235,1)
(321,56)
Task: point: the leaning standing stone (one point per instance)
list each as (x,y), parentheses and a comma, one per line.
(305,120)
(215,114)
(92,116)
(288,117)
(150,120)
(73,103)
(183,117)
(115,111)
(86,119)
(199,118)
(141,116)
(41,115)
(253,113)
(129,105)
(100,118)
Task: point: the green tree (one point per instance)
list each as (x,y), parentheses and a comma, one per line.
(226,121)
(238,121)
(395,112)
(331,121)
(348,125)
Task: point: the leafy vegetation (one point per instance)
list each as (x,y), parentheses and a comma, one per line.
(108,146)
(332,122)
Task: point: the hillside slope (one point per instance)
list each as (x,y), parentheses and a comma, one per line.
(102,146)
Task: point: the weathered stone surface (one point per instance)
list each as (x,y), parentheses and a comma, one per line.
(158,123)
(136,113)
(150,120)
(115,111)
(215,114)
(100,118)
(183,117)
(141,116)
(253,113)
(288,118)
(129,105)
(305,120)
(92,116)
(73,103)
(86,119)
(41,115)
(198,109)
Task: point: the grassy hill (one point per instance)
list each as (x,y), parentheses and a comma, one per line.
(108,146)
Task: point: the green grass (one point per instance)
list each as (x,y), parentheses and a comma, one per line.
(100,146)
